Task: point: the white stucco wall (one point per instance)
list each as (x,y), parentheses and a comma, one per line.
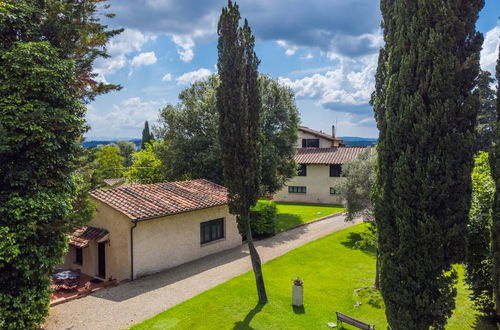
(323,143)
(170,241)
(117,250)
(318,183)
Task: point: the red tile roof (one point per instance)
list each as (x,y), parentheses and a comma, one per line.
(146,201)
(82,235)
(336,155)
(318,133)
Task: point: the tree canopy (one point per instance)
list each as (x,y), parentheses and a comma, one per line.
(478,265)
(47,49)
(189,131)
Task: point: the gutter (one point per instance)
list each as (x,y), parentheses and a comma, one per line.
(132,250)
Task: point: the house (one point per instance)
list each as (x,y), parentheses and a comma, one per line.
(320,157)
(145,228)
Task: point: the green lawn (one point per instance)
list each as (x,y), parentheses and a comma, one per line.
(292,214)
(331,268)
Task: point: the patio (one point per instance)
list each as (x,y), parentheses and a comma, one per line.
(64,290)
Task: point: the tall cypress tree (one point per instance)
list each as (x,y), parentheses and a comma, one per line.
(147,136)
(495,227)
(426,110)
(239,107)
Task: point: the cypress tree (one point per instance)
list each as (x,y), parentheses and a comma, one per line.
(495,227)
(239,107)
(426,111)
(147,136)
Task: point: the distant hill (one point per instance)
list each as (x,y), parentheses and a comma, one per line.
(96,143)
(354,141)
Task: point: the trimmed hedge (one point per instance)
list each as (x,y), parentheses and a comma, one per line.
(263,219)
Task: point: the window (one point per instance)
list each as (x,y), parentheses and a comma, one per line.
(335,170)
(333,191)
(302,171)
(310,143)
(78,255)
(211,230)
(297,190)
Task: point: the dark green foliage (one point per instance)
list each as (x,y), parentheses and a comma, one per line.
(127,150)
(356,185)
(263,218)
(478,259)
(426,111)
(495,226)
(43,121)
(72,26)
(147,136)
(191,148)
(239,106)
(486,117)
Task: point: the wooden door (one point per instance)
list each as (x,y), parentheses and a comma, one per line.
(101,256)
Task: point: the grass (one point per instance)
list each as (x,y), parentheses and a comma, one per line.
(331,269)
(293,214)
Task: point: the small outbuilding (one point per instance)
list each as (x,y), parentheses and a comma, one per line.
(141,229)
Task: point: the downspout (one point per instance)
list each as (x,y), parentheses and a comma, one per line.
(132,250)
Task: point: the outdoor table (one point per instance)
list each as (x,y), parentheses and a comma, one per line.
(66,275)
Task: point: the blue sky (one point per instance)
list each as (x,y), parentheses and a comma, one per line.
(325,50)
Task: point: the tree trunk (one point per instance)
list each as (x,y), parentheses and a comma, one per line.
(377,277)
(256,264)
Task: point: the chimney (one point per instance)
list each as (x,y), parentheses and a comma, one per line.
(333,131)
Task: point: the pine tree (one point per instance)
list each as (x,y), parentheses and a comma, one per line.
(426,111)
(147,136)
(239,106)
(495,227)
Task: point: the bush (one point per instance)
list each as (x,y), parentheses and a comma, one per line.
(263,219)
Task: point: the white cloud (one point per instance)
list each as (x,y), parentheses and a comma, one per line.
(124,44)
(342,89)
(309,56)
(144,59)
(190,77)
(126,119)
(167,77)
(289,49)
(185,46)
(489,54)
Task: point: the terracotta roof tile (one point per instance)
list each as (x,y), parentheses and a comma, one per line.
(318,133)
(144,201)
(82,235)
(336,155)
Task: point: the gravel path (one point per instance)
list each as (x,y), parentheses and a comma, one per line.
(132,302)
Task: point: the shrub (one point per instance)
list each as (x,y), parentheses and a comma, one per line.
(263,218)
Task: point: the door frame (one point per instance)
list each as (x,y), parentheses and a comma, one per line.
(101,260)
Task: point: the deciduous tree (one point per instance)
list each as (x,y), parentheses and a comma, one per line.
(43,120)
(426,109)
(108,162)
(355,186)
(147,168)
(191,148)
(239,107)
(127,150)
(478,265)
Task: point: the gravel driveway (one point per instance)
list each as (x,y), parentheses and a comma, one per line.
(132,302)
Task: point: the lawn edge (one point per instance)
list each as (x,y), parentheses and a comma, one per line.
(326,217)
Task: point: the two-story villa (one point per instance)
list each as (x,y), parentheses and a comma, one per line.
(320,157)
